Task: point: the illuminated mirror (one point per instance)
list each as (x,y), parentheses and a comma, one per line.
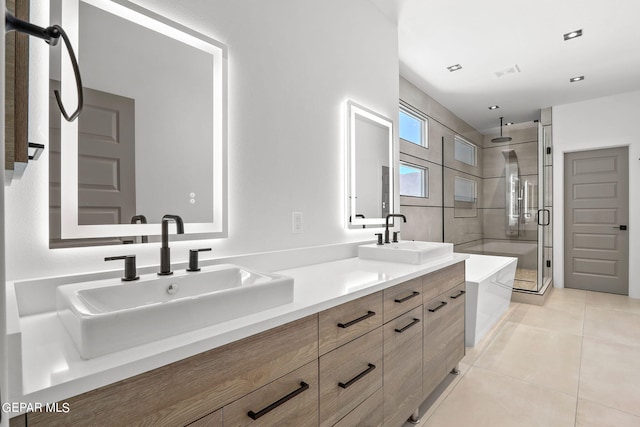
(370,169)
(152,137)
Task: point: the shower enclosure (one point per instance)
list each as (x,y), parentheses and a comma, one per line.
(516,204)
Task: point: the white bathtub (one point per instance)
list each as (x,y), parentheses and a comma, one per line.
(489,284)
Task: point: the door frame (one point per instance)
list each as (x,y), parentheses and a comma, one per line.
(559,209)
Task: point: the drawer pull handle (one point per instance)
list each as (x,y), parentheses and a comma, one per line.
(401,330)
(442,304)
(458,295)
(357,377)
(359,319)
(255,415)
(413,295)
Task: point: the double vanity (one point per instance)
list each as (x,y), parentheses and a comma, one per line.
(348,340)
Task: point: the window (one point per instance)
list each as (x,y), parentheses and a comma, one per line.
(413,128)
(465,151)
(414,181)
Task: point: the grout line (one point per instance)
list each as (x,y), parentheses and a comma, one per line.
(584,321)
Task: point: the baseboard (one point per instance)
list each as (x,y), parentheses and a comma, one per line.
(535,298)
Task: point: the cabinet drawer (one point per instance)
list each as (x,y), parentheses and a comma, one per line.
(436,283)
(402,367)
(211,420)
(443,336)
(289,401)
(401,298)
(346,322)
(367,414)
(348,375)
(189,389)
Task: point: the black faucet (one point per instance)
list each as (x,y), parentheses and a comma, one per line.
(165,252)
(386,229)
(143,220)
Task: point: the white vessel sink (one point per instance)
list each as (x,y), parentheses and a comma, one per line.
(110,315)
(408,252)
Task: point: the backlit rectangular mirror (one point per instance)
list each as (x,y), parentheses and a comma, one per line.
(152,136)
(370,167)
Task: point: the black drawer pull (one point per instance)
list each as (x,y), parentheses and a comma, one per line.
(255,415)
(401,330)
(458,295)
(442,304)
(413,295)
(357,377)
(359,319)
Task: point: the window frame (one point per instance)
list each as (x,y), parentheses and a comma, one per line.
(425,179)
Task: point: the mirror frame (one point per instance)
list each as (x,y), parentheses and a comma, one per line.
(70,229)
(352,110)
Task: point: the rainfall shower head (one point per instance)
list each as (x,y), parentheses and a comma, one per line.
(501,138)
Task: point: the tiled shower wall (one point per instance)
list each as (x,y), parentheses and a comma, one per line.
(437,218)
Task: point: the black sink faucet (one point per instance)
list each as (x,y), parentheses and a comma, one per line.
(386,229)
(165,252)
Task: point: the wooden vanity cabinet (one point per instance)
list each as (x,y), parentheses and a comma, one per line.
(187,390)
(349,375)
(212,420)
(402,367)
(443,335)
(348,321)
(290,401)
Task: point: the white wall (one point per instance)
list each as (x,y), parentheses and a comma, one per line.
(292,64)
(599,123)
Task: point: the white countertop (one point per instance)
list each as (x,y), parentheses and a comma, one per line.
(47,368)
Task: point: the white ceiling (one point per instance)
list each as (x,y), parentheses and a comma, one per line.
(485,36)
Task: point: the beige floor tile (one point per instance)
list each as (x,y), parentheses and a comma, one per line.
(536,355)
(568,293)
(472,353)
(614,326)
(610,376)
(483,398)
(591,414)
(568,319)
(571,300)
(613,302)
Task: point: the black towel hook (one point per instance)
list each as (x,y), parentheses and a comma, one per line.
(51,35)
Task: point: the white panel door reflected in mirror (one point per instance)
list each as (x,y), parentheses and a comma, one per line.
(370,169)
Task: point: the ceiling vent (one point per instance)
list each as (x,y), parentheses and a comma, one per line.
(506,71)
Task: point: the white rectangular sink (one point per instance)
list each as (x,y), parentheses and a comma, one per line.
(110,315)
(408,252)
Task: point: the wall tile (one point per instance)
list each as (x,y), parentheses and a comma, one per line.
(462,230)
(423,223)
(494,226)
(527,154)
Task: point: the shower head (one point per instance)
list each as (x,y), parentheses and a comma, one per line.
(501,138)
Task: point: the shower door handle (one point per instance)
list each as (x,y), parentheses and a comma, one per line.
(548,216)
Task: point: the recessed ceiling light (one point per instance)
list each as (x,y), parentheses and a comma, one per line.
(508,123)
(454,67)
(573,34)
(494,107)
(576,79)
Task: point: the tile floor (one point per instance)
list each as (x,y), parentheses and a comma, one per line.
(573,362)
